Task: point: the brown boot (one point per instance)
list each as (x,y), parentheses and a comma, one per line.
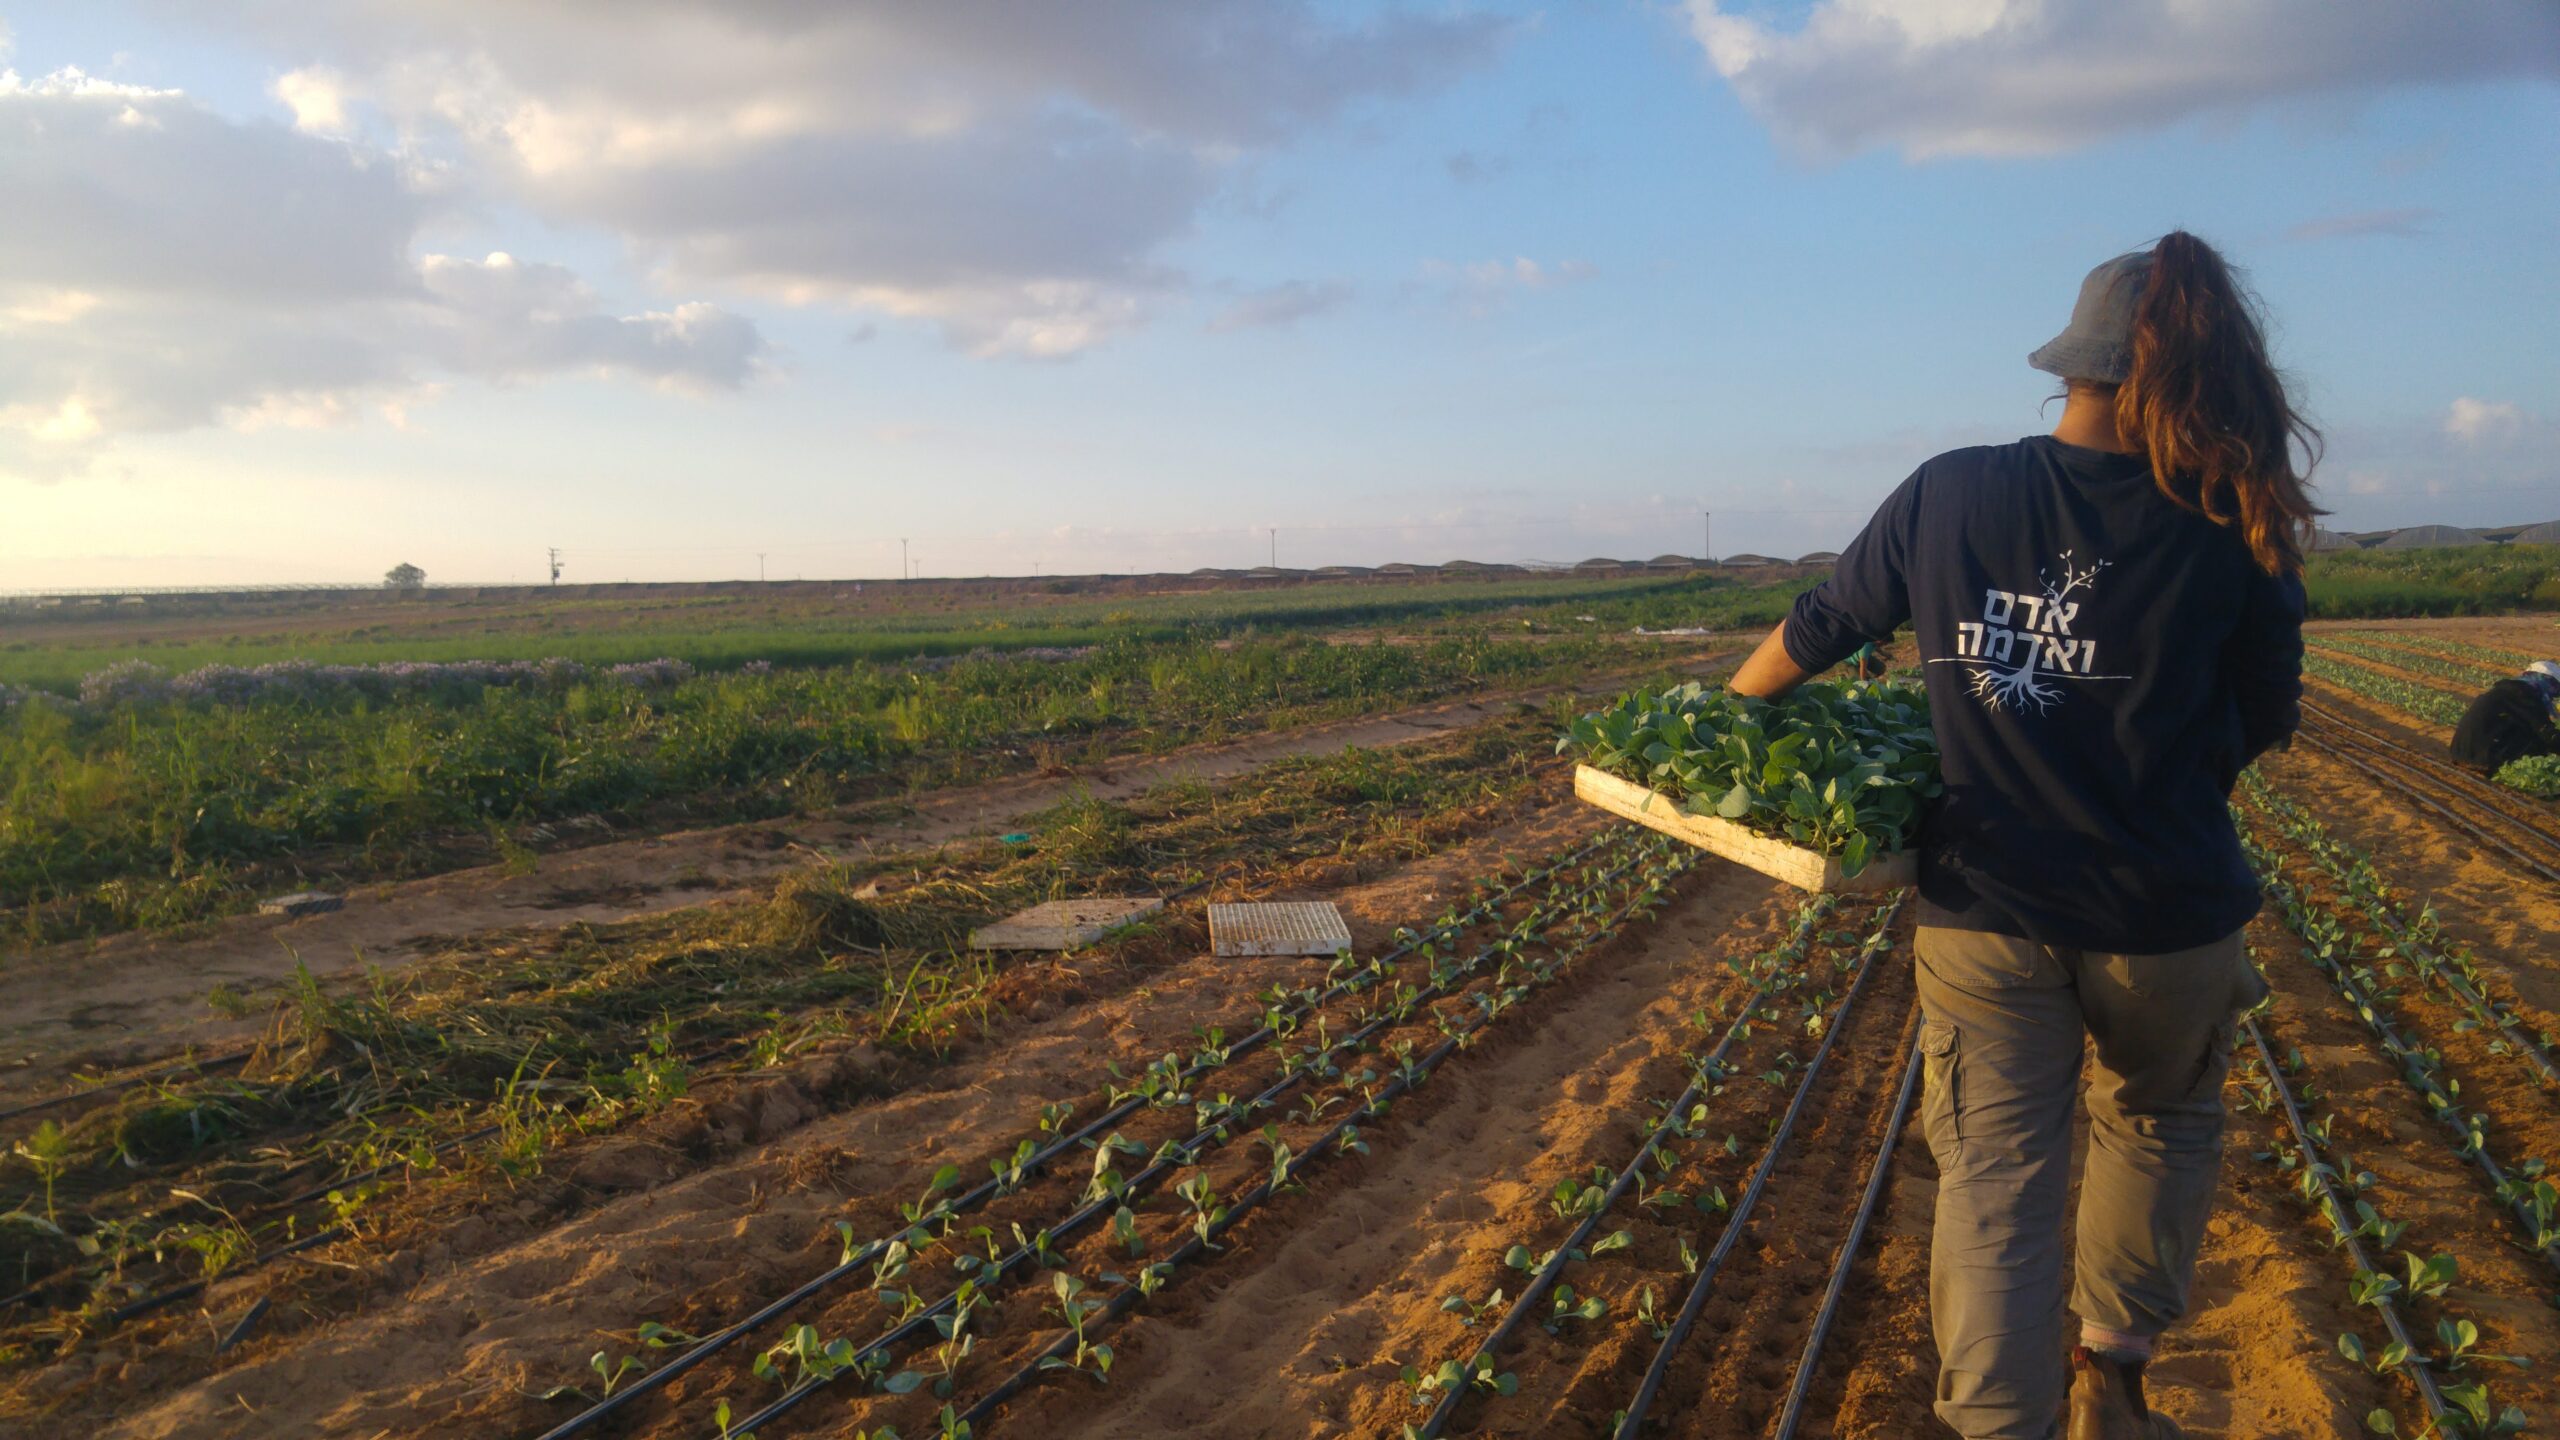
(2107,1404)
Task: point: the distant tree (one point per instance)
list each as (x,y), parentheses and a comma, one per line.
(404,576)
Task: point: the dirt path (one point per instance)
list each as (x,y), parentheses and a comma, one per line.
(133,997)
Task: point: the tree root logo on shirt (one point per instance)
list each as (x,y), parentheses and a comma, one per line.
(2023,646)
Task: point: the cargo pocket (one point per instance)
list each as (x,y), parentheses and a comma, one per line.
(1938,1046)
(2249,988)
(2215,1067)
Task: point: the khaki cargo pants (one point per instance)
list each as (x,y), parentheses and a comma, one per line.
(2002,1021)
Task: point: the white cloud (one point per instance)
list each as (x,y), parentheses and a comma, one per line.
(168,268)
(2476,422)
(317,96)
(2476,462)
(2024,77)
(1012,173)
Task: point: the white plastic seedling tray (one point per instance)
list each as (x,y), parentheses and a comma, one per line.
(1293,927)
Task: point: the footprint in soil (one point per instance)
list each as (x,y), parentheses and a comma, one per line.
(1341,1334)
(2196,1389)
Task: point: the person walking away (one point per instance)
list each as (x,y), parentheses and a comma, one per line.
(2511,720)
(2108,619)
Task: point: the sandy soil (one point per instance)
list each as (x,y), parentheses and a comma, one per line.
(131,997)
(461,1334)
(1299,1328)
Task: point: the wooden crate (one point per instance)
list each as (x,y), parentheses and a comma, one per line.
(1772,857)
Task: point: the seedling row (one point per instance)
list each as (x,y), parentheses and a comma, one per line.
(1771,975)
(2413,945)
(2344,1199)
(1392,1003)
(2465,673)
(2326,943)
(1609,1252)
(1630,1423)
(1071,1347)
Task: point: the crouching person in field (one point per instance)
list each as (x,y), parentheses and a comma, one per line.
(2109,620)
(2511,720)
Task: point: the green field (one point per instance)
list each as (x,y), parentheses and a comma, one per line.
(722,632)
(2473,580)
(162,810)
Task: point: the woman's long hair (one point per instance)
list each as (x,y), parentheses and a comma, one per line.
(2210,411)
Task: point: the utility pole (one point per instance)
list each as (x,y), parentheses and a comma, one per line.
(1275,547)
(759,567)
(1707,535)
(555,564)
(902,559)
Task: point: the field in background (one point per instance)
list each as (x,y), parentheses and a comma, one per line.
(804,624)
(2471,580)
(125,813)
(119,815)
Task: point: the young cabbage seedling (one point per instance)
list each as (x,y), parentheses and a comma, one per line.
(1567,1306)
(1089,1358)
(1470,1311)
(1476,1372)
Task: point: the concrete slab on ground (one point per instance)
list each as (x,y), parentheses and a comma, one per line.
(1063,924)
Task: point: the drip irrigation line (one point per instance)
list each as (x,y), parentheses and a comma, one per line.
(2508,805)
(2336,1213)
(2440,1105)
(157,1299)
(177,1293)
(2442,968)
(2376,762)
(1128,1296)
(318,1191)
(160,1071)
(1709,1071)
(1168,1160)
(862,1256)
(1797,1393)
(241,1327)
(1658,1371)
(2445,973)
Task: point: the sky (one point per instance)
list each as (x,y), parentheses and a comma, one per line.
(297,290)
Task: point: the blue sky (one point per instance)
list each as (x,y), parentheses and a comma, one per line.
(1422,282)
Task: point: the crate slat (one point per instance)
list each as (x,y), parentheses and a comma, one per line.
(1775,858)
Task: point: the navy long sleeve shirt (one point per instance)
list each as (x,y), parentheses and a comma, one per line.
(2101,664)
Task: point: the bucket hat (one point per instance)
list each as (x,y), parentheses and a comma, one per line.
(2098,343)
(2546,674)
